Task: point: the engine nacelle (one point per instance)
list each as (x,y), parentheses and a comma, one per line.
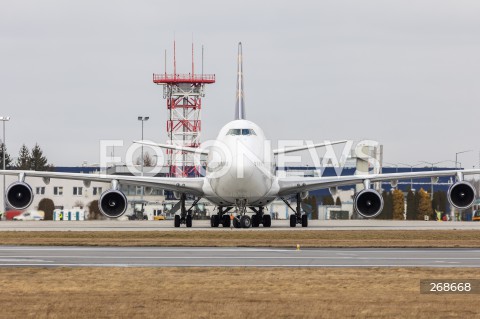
(368,203)
(19,195)
(113,203)
(461,195)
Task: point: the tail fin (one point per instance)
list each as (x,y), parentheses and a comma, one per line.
(240,104)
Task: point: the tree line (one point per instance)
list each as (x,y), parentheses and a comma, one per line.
(33,159)
(419,204)
(47,206)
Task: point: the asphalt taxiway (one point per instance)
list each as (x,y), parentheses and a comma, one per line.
(31,256)
(167,225)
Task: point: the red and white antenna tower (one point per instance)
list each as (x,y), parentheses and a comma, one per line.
(183,93)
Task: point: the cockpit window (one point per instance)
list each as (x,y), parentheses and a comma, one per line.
(243,131)
(234,131)
(247,131)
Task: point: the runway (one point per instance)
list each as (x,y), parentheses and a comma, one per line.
(167,225)
(21,256)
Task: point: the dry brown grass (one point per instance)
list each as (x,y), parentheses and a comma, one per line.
(314,238)
(229,293)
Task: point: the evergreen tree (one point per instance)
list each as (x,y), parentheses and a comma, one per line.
(338,202)
(442,201)
(8,160)
(328,200)
(23,160)
(387,211)
(47,205)
(411,213)
(383,213)
(390,206)
(314,207)
(435,201)
(424,205)
(439,203)
(398,205)
(416,202)
(38,162)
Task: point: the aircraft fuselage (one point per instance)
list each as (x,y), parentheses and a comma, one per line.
(240,166)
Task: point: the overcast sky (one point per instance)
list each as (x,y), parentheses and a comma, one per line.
(405,73)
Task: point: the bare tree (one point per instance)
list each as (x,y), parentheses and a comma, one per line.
(147,160)
(79,203)
(94,211)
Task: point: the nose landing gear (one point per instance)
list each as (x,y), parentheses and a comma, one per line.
(245,221)
(242,220)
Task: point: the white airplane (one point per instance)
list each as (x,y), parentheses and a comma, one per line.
(240,175)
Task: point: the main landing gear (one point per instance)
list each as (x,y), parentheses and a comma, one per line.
(222,217)
(260,218)
(297,217)
(241,219)
(185,216)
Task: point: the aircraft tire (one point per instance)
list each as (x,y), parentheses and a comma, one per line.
(236,223)
(245,221)
(226,220)
(293,220)
(189,220)
(304,220)
(267,220)
(177,221)
(255,220)
(214,220)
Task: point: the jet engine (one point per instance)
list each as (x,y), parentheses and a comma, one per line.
(368,203)
(461,194)
(112,203)
(19,195)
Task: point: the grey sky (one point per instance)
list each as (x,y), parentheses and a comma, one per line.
(405,73)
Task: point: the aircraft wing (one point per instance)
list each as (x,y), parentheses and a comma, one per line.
(293,185)
(306,147)
(197,150)
(190,185)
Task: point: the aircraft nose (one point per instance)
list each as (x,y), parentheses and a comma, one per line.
(242,170)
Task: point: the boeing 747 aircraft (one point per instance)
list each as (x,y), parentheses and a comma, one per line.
(240,178)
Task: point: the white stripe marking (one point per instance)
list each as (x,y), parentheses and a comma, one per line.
(252,257)
(235,265)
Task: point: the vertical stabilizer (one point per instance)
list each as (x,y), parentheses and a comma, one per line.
(240,104)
